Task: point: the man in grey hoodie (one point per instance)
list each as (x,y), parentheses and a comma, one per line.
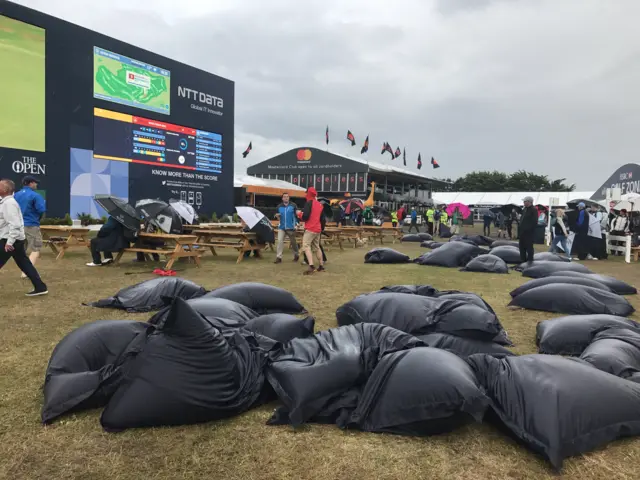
(12,238)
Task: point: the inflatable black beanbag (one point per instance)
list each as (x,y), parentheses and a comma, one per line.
(282,327)
(505,243)
(317,378)
(385,255)
(259,297)
(463,347)
(452,254)
(538,282)
(508,254)
(573,299)
(546,269)
(486,264)
(431,244)
(425,237)
(617,286)
(86,366)
(187,372)
(151,294)
(417,315)
(424,290)
(422,391)
(549,257)
(219,311)
(571,335)
(615,351)
(557,406)
(480,240)
(412,238)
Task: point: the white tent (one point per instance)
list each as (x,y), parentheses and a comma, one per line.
(506,198)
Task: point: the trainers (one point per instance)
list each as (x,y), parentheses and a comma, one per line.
(91,264)
(37,293)
(278,260)
(107,261)
(23,275)
(310,271)
(321,268)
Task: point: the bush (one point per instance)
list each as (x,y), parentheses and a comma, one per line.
(66,220)
(236,219)
(214,217)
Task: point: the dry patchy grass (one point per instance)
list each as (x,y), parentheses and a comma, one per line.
(244,447)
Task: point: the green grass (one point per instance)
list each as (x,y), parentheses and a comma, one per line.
(244,447)
(22,85)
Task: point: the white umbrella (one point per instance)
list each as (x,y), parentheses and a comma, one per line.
(257,222)
(183,209)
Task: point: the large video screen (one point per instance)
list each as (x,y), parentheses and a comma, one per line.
(22,85)
(127,81)
(126,138)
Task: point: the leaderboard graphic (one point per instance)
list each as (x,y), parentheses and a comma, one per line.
(128,138)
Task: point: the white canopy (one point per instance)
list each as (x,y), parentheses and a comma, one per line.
(506,198)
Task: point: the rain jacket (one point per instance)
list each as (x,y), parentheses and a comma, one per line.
(313,216)
(32,205)
(444,217)
(288,218)
(430,214)
(394,217)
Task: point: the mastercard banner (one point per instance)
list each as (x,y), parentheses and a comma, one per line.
(303,155)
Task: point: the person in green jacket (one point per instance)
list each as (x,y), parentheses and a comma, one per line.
(456,220)
(430,213)
(394,219)
(367,215)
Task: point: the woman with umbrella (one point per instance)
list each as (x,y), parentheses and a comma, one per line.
(120,229)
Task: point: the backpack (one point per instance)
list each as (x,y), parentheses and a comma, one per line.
(436,216)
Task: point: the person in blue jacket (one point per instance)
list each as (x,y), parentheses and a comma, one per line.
(287,227)
(33,207)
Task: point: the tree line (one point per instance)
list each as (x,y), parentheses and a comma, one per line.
(520,181)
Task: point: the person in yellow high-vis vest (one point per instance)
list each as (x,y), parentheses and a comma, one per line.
(444,219)
(430,213)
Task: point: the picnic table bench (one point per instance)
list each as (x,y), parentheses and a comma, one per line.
(229,238)
(182,248)
(59,238)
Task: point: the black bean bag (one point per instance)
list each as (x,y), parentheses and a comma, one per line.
(151,294)
(417,315)
(282,327)
(463,347)
(259,297)
(504,243)
(445,231)
(573,299)
(187,372)
(571,335)
(480,240)
(220,312)
(486,264)
(558,407)
(615,351)
(317,378)
(425,237)
(86,366)
(453,254)
(538,282)
(422,391)
(412,238)
(508,254)
(547,269)
(385,255)
(549,257)
(617,286)
(431,244)
(424,290)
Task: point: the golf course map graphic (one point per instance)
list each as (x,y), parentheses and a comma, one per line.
(22,85)
(111,84)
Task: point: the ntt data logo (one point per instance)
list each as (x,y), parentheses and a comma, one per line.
(303,155)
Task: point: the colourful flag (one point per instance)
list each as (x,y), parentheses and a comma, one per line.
(434,163)
(246,152)
(351,138)
(365,147)
(419,162)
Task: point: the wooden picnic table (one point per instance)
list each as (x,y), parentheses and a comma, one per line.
(229,238)
(182,248)
(61,237)
(215,226)
(379,232)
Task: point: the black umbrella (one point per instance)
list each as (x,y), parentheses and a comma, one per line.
(120,211)
(161,215)
(326,207)
(573,204)
(506,209)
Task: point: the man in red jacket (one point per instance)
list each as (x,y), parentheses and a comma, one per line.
(314,222)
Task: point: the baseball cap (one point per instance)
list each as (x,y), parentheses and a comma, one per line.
(29,179)
(528,199)
(581,204)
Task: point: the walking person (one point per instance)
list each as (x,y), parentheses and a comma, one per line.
(287,227)
(314,223)
(581,241)
(456,220)
(394,219)
(527,230)
(12,238)
(33,207)
(508,222)
(429,217)
(414,220)
(500,224)
(560,233)
(487,217)
(436,221)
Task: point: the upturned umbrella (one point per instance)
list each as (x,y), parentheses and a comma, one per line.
(461,207)
(120,211)
(160,215)
(257,223)
(351,205)
(182,208)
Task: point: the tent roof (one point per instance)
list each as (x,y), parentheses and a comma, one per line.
(506,198)
(263,186)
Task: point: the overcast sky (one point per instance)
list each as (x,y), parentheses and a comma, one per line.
(550,86)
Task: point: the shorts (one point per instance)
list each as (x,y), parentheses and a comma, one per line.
(311,240)
(33,236)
